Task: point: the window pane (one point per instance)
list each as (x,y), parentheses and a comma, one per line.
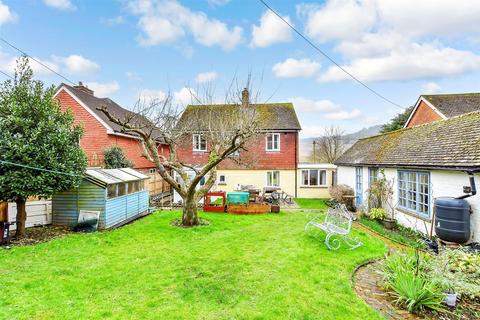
(276,141)
(323,177)
(112,191)
(314,177)
(269,142)
(276,178)
(203,143)
(305,177)
(122,189)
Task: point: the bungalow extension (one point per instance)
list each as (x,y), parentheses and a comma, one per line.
(432,157)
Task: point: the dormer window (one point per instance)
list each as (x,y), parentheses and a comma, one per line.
(199,143)
(273,142)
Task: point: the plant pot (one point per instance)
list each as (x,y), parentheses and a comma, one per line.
(275,209)
(388,223)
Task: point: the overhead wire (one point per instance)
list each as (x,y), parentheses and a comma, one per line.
(378,94)
(36,60)
(39,169)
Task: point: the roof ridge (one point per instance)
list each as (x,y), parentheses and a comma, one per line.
(451,94)
(420,125)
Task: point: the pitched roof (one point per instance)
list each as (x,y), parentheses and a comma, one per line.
(274,116)
(92,103)
(449,144)
(452,105)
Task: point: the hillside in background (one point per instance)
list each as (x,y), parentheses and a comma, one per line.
(349,139)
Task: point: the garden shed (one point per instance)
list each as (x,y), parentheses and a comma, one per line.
(118,195)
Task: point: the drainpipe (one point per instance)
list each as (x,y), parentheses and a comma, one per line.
(296,162)
(470,191)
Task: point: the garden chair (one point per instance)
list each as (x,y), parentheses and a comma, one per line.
(337,225)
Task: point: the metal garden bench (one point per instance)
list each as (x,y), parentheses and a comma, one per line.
(336,225)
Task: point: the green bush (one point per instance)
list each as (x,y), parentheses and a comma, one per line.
(115,158)
(377,213)
(459,271)
(408,278)
(416,292)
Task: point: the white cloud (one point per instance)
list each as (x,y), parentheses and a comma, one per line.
(133,76)
(384,40)
(66,5)
(217,3)
(78,65)
(104,89)
(8,63)
(184,96)
(292,68)
(271,30)
(312,131)
(206,77)
(338,19)
(415,61)
(430,88)
(115,21)
(165,21)
(6,15)
(343,115)
(149,95)
(454,17)
(306,105)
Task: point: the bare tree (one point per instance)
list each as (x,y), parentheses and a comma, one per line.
(224,130)
(329,146)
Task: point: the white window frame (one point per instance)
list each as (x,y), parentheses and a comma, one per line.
(271,173)
(411,194)
(319,175)
(273,135)
(197,143)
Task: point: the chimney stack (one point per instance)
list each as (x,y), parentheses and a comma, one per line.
(245,98)
(83,88)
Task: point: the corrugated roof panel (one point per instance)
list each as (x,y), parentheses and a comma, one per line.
(135,173)
(111,176)
(98,174)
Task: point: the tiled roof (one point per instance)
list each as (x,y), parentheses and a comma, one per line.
(451,144)
(451,105)
(274,116)
(93,103)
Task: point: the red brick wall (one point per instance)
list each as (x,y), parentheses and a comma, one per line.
(255,158)
(95,138)
(423,114)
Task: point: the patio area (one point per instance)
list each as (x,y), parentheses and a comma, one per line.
(238,267)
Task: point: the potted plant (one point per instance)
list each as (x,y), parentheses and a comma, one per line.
(380,196)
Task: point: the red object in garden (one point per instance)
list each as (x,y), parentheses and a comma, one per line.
(215,207)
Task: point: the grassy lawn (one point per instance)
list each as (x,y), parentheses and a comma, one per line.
(239,267)
(306,203)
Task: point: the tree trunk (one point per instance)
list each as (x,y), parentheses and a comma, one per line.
(21,218)
(190,216)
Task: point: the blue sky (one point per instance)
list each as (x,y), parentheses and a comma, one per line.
(123,49)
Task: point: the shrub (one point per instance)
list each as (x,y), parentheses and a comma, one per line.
(115,158)
(459,271)
(339,191)
(377,213)
(417,292)
(407,277)
(380,192)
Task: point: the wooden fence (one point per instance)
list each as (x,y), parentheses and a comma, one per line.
(39,213)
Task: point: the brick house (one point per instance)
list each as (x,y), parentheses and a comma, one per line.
(100,133)
(429,108)
(271,158)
